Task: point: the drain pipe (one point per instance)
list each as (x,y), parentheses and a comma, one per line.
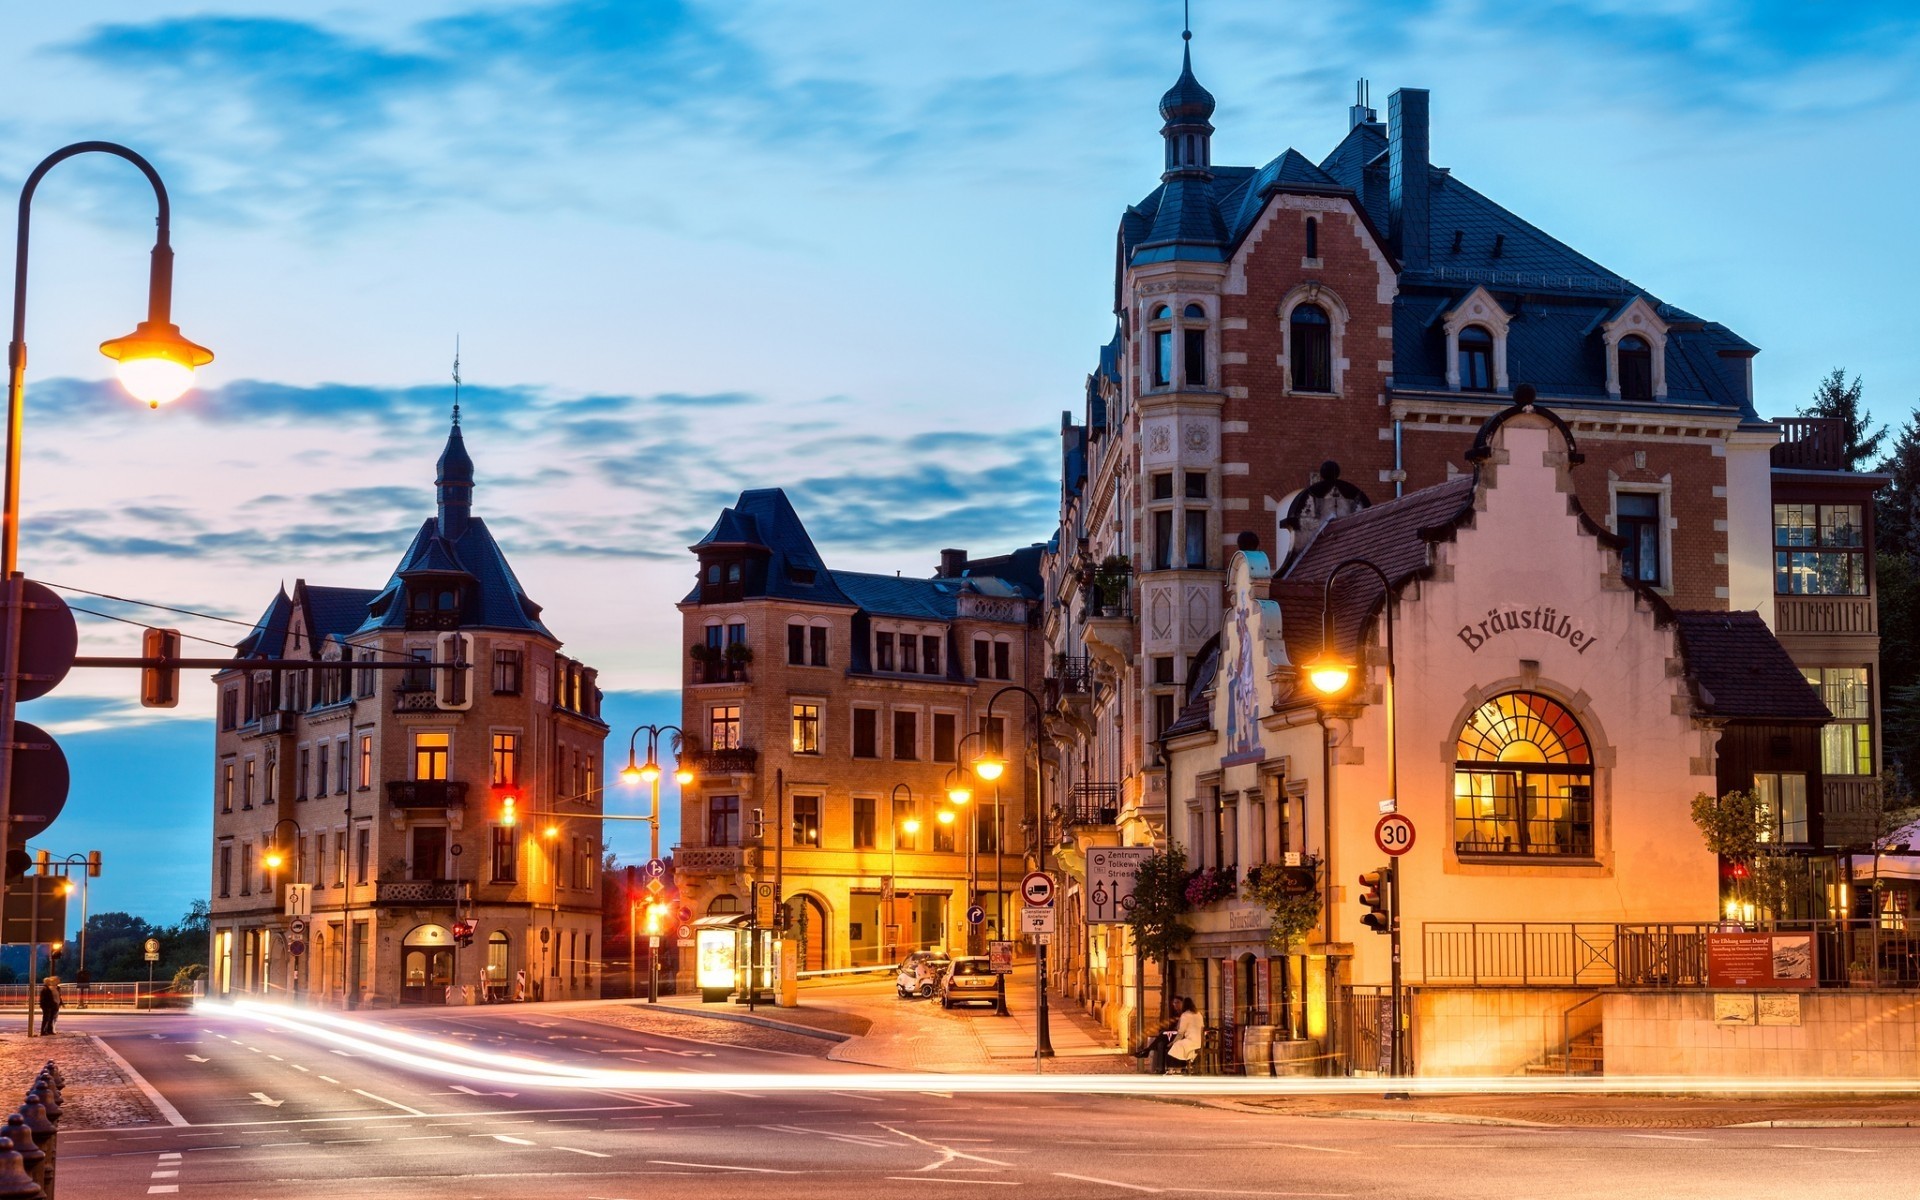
(1399,463)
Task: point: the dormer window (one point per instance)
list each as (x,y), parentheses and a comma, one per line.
(433,604)
(721,579)
(1476,359)
(1636,368)
(1636,348)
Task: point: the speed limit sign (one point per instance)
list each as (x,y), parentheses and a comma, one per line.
(1394,834)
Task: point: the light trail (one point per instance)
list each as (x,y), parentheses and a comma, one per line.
(470,1064)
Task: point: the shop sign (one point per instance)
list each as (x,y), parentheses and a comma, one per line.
(1541,618)
(1760,960)
(1296,881)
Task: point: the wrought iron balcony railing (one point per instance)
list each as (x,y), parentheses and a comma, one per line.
(424,793)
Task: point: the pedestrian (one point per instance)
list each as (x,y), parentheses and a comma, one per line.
(520,984)
(83,980)
(49,1003)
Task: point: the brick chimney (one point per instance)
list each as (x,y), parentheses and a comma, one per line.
(953,564)
(1409,209)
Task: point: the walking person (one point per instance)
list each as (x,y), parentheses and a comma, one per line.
(49,1004)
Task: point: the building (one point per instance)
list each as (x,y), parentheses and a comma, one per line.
(1298,342)
(828,716)
(407,800)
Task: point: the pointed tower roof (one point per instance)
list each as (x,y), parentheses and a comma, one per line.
(1186,102)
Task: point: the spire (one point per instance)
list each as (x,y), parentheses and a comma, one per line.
(453,475)
(1185,108)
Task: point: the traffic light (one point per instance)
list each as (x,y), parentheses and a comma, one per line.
(463,933)
(506,806)
(1375,900)
(656,918)
(160,686)
(93,864)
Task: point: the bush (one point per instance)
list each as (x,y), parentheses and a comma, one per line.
(185,977)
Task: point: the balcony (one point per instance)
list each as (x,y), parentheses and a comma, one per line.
(1825,614)
(709,860)
(425,793)
(1850,809)
(719,672)
(414,696)
(1072,675)
(417,891)
(1094,804)
(1811,444)
(711,764)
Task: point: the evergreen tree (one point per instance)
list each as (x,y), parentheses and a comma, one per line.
(1896,507)
(1839,399)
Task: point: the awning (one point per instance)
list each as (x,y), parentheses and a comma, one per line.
(721,921)
(1892,866)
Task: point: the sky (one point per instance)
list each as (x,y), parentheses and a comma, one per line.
(859,250)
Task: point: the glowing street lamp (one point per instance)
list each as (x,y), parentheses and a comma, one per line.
(989,766)
(1329,673)
(636,772)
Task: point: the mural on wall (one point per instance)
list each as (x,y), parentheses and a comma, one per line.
(1250,648)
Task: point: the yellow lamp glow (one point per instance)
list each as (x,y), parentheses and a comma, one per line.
(1329,674)
(156,364)
(553,831)
(960,793)
(274,859)
(630,774)
(650,772)
(946,816)
(910,826)
(989,768)
(682,775)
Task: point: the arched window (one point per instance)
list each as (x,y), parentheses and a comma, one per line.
(723,904)
(1523,780)
(1310,339)
(1313,237)
(1194,345)
(1476,359)
(1636,368)
(1163,346)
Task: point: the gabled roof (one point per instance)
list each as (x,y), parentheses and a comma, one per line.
(762,520)
(1740,670)
(500,602)
(268,639)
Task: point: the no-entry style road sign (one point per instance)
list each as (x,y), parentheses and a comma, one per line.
(1393,834)
(1036,888)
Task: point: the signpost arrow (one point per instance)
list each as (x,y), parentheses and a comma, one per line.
(196,1058)
(263,1098)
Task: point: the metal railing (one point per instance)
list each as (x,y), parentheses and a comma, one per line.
(724,860)
(417,891)
(738,761)
(14,997)
(1072,675)
(1564,954)
(1094,804)
(426,793)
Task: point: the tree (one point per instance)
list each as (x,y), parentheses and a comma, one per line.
(1290,916)
(1739,827)
(1159,901)
(1896,507)
(1840,400)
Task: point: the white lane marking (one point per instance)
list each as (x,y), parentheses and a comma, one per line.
(277,1145)
(668,1162)
(197,1058)
(167,1110)
(298,1067)
(1299,1146)
(389,1103)
(164,1175)
(588,1153)
(330,1079)
(947,1153)
(1668,1137)
(1833,1149)
(427,1137)
(276,1058)
(949,1179)
(263,1098)
(508,1138)
(1131,1187)
(161,1189)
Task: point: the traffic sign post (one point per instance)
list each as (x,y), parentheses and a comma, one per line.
(1394,834)
(975,914)
(1036,888)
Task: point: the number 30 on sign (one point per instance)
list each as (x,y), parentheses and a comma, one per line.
(1394,834)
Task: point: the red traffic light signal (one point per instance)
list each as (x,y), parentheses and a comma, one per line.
(463,933)
(1375,900)
(506,806)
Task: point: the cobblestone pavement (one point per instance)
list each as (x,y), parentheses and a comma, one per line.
(1607,1112)
(97,1095)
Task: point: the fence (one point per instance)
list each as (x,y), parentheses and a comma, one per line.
(1364,1021)
(15,997)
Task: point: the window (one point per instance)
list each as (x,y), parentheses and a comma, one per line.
(246,786)
(1313,237)
(866,733)
(1310,342)
(986,832)
(930,655)
(430,756)
(1163,669)
(736,633)
(806,729)
(246,869)
(300,780)
(796,645)
(363,854)
(943,836)
(906,736)
(1636,368)
(1193,347)
(1163,348)
(806,820)
(883,651)
(1002,660)
(723,727)
(1196,547)
(340,859)
(417,679)
(366,761)
(429,858)
(993,734)
(945,725)
(863,822)
(982,658)
(909,654)
(506,759)
(1196,485)
(817,641)
(1637,521)
(363,686)
(1783,807)
(723,821)
(1523,780)
(226,870)
(1846,743)
(229,708)
(319,780)
(1162,485)
(1162,539)
(713,636)
(1819,550)
(340,771)
(506,672)
(1476,359)
(1162,712)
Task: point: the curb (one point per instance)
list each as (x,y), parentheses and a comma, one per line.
(825,1035)
(1816,1124)
(1426,1118)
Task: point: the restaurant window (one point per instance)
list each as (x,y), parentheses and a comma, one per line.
(1846,742)
(806,729)
(866,733)
(1819,550)
(723,820)
(723,727)
(1783,807)
(1637,521)
(863,822)
(806,820)
(1523,780)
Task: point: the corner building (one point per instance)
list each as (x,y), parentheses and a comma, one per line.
(827,715)
(386,791)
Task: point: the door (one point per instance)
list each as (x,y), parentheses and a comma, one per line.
(429,852)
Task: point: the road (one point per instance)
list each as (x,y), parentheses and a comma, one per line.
(274,1113)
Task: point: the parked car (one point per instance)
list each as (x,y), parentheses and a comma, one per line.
(972,981)
(912,981)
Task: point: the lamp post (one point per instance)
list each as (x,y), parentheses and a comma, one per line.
(1330,673)
(960,794)
(990,767)
(890,894)
(91,861)
(274,859)
(156,364)
(649,773)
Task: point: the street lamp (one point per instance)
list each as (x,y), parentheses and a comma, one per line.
(156,364)
(649,773)
(990,767)
(889,895)
(274,859)
(91,861)
(1330,674)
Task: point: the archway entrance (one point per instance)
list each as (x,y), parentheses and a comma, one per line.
(807,920)
(426,965)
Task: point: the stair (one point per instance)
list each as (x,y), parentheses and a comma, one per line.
(1585,1055)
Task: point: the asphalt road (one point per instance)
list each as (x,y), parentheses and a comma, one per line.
(279,1114)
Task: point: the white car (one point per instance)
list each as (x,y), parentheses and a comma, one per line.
(913,982)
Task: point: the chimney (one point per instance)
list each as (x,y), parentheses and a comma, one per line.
(1361,113)
(1409,214)
(953,564)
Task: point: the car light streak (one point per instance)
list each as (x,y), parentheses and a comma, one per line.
(469,1064)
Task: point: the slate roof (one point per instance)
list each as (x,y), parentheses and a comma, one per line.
(500,603)
(335,611)
(269,634)
(763,520)
(1197,713)
(1739,670)
(900,596)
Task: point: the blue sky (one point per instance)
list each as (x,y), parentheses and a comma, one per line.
(860,250)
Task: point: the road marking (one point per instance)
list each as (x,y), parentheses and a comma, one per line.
(1668,1137)
(668,1162)
(263,1098)
(197,1058)
(509,1139)
(298,1067)
(938,1179)
(276,1058)
(161,1189)
(472,1092)
(169,1154)
(427,1137)
(1132,1187)
(330,1079)
(1832,1149)
(168,1111)
(588,1153)
(278,1145)
(164,1175)
(344,1054)
(1298,1146)
(389,1103)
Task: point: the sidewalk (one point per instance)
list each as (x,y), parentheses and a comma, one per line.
(1553,1110)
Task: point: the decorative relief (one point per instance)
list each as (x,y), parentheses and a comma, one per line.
(1161,620)
(1159,439)
(1199,612)
(1198,439)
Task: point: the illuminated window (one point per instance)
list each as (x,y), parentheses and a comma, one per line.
(1783,807)
(1523,780)
(1846,742)
(430,756)
(506,759)
(806,729)
(723,727)
(1819,550)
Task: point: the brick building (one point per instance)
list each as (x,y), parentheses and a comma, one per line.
(1297,342)
(827,712)
(386,792)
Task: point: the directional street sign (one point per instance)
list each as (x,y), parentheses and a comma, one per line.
(299,900)
(1394,834)
(1036,918)
(1036,888)
(1110,872)
(655,868)
(976,914)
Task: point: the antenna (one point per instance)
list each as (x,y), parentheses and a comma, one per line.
(456,381)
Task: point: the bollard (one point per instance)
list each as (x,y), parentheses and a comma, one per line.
(53,1068)
(15,1183)
(32,1158)
(34,1114)
(48,1084)
(47,1100)
(53,1081)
